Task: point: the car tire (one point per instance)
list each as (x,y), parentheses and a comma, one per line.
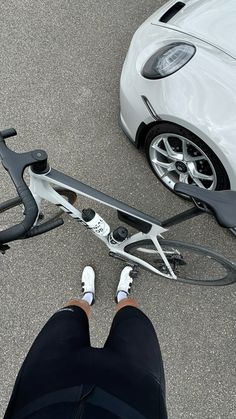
(164,145)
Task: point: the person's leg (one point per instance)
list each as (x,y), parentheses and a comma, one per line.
(50,363)
(124,287)
(132,334)
(88,290)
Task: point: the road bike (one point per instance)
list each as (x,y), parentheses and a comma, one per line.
(145,248)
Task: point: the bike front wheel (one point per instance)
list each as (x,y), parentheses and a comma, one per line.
(191,264)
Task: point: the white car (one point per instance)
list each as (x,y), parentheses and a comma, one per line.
(178,93)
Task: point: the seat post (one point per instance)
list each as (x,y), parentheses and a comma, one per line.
(183,216)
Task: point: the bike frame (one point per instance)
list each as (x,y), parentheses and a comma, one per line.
(41,188)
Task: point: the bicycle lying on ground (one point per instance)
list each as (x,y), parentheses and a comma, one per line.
(171,259)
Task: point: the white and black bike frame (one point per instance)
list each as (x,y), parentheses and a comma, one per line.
(41,187)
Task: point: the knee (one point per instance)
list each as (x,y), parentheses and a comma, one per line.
(127,302)
(82,304)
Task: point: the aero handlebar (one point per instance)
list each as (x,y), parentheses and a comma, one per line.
(15,164)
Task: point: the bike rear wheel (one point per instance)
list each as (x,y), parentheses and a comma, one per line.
(191,264)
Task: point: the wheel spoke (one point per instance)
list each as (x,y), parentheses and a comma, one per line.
(171,167)
(171,153)
(198,158)
(165,174)
(203,176)
(198,182)
(186,156)
(196,174)
(165,165)
(183,177)
(160,150)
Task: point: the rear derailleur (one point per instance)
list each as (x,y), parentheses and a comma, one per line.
(175,261)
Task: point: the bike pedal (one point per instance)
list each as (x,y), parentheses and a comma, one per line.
(135,271)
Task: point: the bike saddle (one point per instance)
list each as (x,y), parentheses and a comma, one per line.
(222,203)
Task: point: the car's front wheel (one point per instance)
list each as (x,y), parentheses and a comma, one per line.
(177,155)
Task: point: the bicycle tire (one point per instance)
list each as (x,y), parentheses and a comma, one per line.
(181,247)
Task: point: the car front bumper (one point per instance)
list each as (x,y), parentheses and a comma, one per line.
(201,96)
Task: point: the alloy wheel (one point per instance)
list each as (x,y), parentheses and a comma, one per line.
(177,159)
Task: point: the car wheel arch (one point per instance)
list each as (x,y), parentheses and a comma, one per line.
(144,129)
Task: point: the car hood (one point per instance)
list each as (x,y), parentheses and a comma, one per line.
(210,20)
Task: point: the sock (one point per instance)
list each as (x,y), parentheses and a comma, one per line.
(88,296)
(121,295)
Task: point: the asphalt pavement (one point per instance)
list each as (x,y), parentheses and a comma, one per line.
(59,79)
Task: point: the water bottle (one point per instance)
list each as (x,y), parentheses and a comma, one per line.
(118,235)
(95,222)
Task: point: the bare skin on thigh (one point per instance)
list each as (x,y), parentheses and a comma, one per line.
(82,304)
(87,308)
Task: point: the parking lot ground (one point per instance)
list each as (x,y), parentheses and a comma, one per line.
(60,68)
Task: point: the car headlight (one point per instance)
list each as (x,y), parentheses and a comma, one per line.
(167,60)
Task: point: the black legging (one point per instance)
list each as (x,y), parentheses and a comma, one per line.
(129,366)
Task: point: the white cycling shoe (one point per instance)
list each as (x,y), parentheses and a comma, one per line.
(88,281)
(125,282)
